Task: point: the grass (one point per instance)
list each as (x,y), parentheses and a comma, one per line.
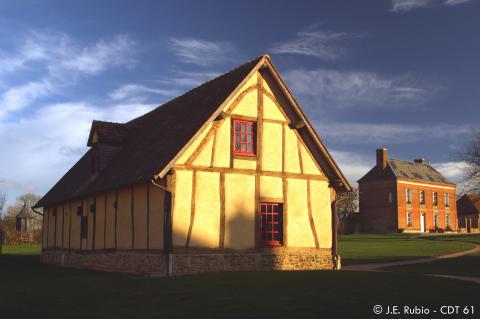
(368,248)
(33,249)
(30,289)
(462,266)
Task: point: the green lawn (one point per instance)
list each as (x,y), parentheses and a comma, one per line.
(33,249)
(30,289)
(368,248)
(462,266)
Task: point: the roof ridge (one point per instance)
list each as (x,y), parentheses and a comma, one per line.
(196,87)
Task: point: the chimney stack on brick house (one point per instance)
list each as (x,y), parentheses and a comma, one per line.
(421,161)
(382,158)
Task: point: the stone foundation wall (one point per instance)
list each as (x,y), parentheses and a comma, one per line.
(191,262)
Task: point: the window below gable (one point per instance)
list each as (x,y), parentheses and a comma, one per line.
(244,138)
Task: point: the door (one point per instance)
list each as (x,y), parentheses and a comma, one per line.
(422,222)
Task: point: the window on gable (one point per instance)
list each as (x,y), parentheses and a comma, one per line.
(244,138)
(271,224)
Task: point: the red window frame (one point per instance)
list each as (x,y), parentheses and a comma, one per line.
(271,224)
(244,138)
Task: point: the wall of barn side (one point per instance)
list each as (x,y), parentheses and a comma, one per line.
(217,194)
(130,218)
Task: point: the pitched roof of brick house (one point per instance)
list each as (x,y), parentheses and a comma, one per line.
(148,144)
(406,170)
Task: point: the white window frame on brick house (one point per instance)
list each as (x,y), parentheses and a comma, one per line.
(435,198)
(409,219)
(408,194)
(422,197)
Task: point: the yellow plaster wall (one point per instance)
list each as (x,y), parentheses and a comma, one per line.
(59,226)
(247,106)
(110,216)
(140,216)
(44,227)
(182,207)
(239,211)
(292,164)
(157,199)
(222,145)
(272,147)
(100,223)
(75,234)
(244,106)
(298,225)
(124,221)
(271,110)
(184,157)
(271,187)
(51,228)
(204,157)
(245,163)
(322,212)
(66,225)
(309,166)
(91,217)
(206,226)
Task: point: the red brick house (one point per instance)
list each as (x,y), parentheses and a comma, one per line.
(398,195)
(468,208)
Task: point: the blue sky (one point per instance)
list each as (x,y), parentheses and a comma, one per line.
(397,73)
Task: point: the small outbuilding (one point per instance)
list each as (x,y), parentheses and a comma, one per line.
(469,213)
(24,220)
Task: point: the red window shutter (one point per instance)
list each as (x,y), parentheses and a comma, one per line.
(271,225)
(244,137)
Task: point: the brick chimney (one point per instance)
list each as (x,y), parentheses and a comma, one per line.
(382,158)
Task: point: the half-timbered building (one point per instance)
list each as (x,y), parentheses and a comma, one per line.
(229,176)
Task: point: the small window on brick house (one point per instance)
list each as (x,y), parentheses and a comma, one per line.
(447,200)
(447,220)
(409,196)
(435,220)
(409,219)
(435,199)
(244,138)
(422,197)
(271,223)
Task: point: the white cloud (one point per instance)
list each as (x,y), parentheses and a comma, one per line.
(60,61)
(317,43)
(336,89)
(95,58)
(37,150)
(137,92)
(407,5)
(454,171)
(386,133)
(189,78)
(352,165)
(18,97)
(201,52)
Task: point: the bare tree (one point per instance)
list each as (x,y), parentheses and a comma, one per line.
(3,200)
(472,157)
(347,206)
